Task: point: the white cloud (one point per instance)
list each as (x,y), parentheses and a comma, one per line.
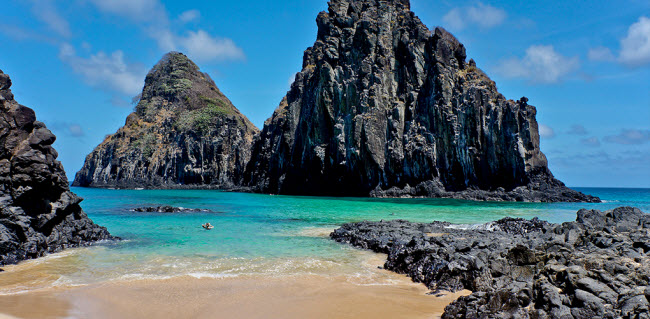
(601,54)
(454,19)
(482,15)
(105,71)
(154,18)
(201,46)
(46,11)
(136,10)
(541,64)
(546,131)
(635,47)
(189,16)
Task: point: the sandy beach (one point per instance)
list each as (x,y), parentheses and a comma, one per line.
(248,297)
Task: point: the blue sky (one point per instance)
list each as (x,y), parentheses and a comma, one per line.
(585,65)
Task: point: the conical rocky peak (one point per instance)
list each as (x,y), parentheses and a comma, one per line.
(184,133)
(176,84)
(385,107)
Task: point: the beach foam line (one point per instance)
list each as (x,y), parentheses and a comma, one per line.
(201,275)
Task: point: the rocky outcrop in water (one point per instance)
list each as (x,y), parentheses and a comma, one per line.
(184,133)
(385,107)
(169,209)
(595,267)
(38,213)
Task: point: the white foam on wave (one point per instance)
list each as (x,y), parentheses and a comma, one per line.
(488,226)
(201,275)
(134,277)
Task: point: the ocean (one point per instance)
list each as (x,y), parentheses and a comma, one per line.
(255,235)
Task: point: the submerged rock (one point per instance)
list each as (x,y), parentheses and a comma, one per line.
(595,267)
(184,133)
(385,107)
(38,213)
(167,209)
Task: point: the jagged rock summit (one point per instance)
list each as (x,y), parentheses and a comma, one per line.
(38,213)
(385,107)
(184,133)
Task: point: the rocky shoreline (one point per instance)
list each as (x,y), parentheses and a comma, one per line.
(595,267)
(38,213)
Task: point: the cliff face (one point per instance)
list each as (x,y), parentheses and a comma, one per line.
(385,107)
(184,133)
(38,213)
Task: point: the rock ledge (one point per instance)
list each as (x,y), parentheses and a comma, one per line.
(595,267)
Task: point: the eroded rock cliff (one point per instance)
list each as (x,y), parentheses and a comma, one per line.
(38,213)
(385,107)
(184,133)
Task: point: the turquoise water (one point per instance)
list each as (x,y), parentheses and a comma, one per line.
(256,234)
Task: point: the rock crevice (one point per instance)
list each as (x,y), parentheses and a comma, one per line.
(38,213)
(184,133)
(385,107)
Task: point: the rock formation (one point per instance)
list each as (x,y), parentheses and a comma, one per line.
(595,267)
(385,107)
(184,133)
(38,213)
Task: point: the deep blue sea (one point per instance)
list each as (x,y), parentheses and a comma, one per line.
(255,234)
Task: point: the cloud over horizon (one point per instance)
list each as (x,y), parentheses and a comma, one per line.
(546,131)
(46,12)
(635,47)
(200,46)
(629,137)
(541,64)
(481,15)
(135,10)
(105,71)
(153,17)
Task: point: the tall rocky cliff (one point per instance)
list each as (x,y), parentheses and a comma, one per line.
(184,133)
(385,107)
(38,213)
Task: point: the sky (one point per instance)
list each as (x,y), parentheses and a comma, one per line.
(585,65)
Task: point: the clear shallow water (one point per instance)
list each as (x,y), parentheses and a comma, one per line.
(255,234)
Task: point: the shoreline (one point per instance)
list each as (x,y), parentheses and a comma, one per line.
(518,195)
(597,265)
(307,296)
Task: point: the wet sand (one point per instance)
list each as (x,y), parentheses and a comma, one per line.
(312,296)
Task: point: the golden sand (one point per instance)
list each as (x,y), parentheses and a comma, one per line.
(312,296)
(326,294)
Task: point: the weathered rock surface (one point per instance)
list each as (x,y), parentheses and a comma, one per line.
(168,209)
(384,107)
(38,213)
(184,133)
(595,267)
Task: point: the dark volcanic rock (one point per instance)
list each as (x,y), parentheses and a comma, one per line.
(595,267)
(384,107)
(38,213)
(167,209)
(184,133)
